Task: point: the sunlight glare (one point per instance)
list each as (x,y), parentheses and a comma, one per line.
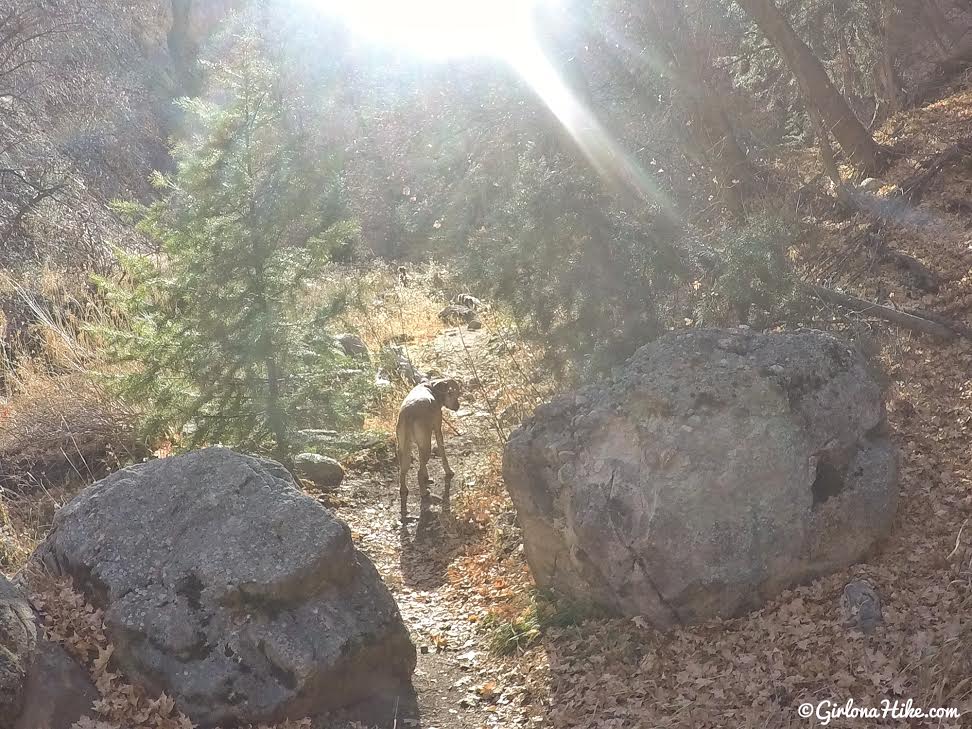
(615,166)
(504,30)
(437,29)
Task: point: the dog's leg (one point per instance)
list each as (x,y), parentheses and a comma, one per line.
(404,461)
(425,452)
(438,441)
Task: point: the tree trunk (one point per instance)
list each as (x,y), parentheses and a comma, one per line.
(886,79)
(828,161)
(819,90)
(846,64)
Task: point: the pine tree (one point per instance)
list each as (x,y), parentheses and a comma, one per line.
(222,334)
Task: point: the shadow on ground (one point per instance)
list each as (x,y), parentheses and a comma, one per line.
(429,544)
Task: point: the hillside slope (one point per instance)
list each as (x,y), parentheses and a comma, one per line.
(85,111)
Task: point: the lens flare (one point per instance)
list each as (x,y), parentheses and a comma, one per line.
(436,29)
(618,168)
(504,30)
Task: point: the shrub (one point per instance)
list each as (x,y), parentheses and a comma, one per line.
(748,275)
(546,610)
(63,428)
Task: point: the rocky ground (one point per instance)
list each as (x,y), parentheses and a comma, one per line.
(428,565)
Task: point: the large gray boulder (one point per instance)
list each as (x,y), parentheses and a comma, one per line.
(227,588)
(18,645)
(713,470)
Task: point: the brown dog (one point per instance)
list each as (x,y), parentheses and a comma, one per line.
(418,418)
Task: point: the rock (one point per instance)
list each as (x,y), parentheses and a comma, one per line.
(317,435)
(474,325)
(226,587)
(871,185)
(352,345)
(381,380)
(860,606)
(323,471)
(18,646)
(58,692)
(395,359)
(682,489)
(467,300)
(41,687)
(457,314)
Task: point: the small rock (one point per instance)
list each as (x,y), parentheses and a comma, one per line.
(871,185)
(395,360)
(316,437)
(457,314)
(352,345)
(860,605)
(322,470)
(467,300)
(474,325)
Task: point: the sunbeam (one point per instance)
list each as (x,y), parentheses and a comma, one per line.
(506,31)
(611,161)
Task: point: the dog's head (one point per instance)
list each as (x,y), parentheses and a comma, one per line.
(446,392)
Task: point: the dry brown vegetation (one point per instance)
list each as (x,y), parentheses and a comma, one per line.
(60,427)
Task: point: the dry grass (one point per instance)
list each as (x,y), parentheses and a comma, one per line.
(17,539)
(388,313)
(393,313)
(59,426)
(379,309)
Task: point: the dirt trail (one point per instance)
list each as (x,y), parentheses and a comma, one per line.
(456,678)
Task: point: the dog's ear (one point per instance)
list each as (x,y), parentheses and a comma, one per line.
(441,388)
